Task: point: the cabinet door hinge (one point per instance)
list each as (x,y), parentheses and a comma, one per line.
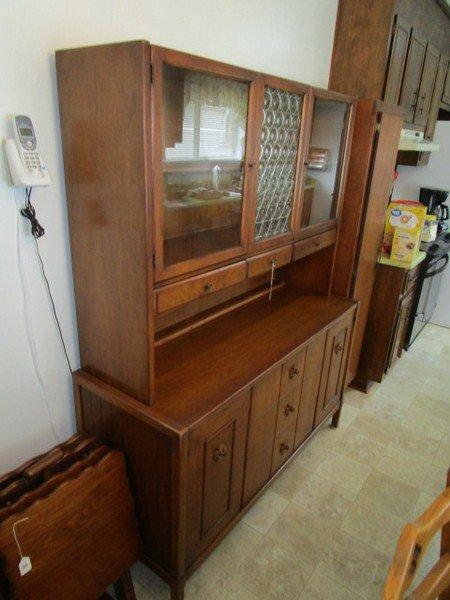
(151,73)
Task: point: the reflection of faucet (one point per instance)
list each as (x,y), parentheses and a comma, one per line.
(216,177)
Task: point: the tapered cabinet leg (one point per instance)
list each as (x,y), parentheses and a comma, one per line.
(124,588)
(335,419)
(177,590)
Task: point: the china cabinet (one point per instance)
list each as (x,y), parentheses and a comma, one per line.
(203,243)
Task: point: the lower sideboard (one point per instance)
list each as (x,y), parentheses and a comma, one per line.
(193,483)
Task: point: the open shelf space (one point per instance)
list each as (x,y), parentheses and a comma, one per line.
(198,371)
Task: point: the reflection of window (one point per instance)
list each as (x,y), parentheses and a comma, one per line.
(209,132)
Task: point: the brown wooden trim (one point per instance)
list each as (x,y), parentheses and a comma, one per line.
(256,247)
(149,211)
(344,157)
(331,95)
(287,85)
(300,175)
(311,230)
(79,416)
(127,403)
(179,502)
(183,60)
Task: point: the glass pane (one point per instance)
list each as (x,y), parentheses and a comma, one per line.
(204,123)
(277,162)
(322,182)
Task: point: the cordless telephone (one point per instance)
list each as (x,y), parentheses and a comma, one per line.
(26,164)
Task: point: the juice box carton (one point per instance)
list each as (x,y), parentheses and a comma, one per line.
(403,230)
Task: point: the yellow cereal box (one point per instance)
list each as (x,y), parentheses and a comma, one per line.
(402,232)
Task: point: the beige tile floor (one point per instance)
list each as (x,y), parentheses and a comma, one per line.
(328,526)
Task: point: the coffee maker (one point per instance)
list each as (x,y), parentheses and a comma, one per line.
(434,200)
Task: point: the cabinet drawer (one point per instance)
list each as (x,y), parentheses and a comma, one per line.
(215,473)
(313,244)
(201,285)
(283,447)
(292,373)
(288,409)
(263,262)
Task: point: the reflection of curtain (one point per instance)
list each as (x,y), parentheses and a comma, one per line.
(215,91)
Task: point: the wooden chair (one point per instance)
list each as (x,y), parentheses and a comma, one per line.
(411,547)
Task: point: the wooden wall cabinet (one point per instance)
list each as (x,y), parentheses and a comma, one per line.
(398,54)
(211,346)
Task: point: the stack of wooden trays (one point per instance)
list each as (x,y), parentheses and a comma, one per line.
(67,524)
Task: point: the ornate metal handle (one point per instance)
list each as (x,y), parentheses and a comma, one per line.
(284,447)
(220,452)
(288,409)
(293,371)
(338,348)
(209,287)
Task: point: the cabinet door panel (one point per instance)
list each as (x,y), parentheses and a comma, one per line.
(397,60)
(327,148)
(278,155)
(201,137)
(216,464)
(430,67)
(283,447)
(310,389)
(292,374)
(334,365)
(261,432)
(411,79)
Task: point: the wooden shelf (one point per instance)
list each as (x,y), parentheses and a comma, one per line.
(195,373)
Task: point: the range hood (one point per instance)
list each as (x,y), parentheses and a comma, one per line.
(412,141)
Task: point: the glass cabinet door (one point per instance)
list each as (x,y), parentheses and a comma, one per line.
(279,143)
(204,123)
(324,161)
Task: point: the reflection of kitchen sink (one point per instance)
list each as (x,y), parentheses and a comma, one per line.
(210,194)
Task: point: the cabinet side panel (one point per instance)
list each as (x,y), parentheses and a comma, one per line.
(148,456)
(104,99)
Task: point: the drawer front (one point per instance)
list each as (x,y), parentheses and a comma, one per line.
(288,409)
(263,262)
(334,366)
(261,431)
(199,286)
(283,447)
(215,473)
(313,244)
(292,373)
(310,389)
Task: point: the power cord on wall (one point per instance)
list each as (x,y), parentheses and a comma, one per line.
(37,231)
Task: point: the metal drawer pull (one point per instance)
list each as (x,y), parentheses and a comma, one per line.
(338,348)
(208,287)
(284,447)
(293,371)
(220,452)
(288,409)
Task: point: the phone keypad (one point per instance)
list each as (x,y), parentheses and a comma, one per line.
(32,161)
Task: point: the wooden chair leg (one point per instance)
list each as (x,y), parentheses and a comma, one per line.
(177,590)
(124,588)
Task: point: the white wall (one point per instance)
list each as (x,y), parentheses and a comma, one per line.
(436,174)
(286,38)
